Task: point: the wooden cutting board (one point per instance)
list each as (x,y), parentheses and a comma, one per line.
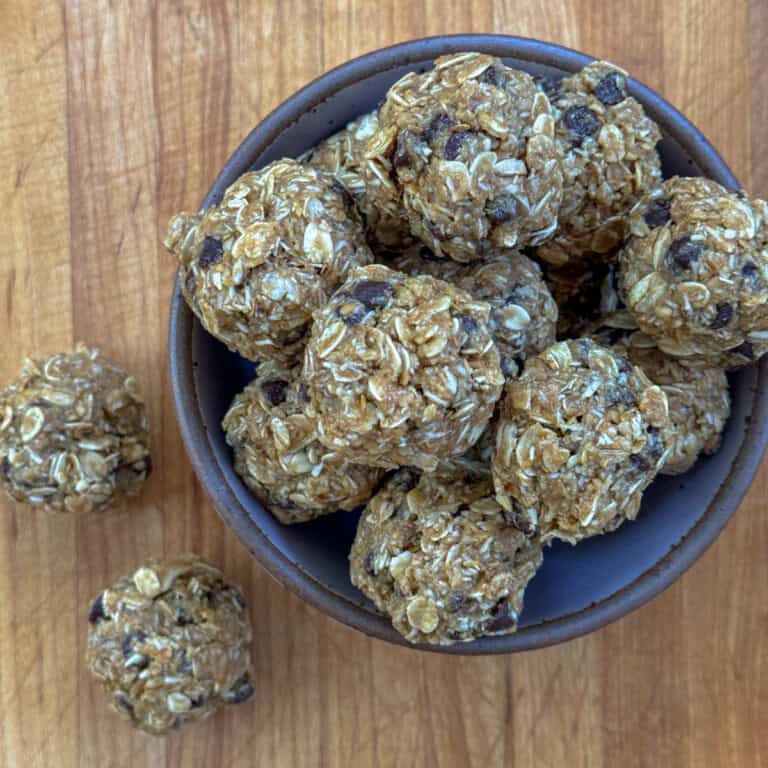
(113,115)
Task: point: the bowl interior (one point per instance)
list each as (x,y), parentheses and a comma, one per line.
(572,579)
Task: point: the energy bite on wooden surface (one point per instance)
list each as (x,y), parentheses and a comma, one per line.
(255,266)
(694,273)
(271,428)
(73,433)
(402,371)
(437,554)
(470,148)
(171,643)
(580,437)
(697,393)
(343,155)
(609,161)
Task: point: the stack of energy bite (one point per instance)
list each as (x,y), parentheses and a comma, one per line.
(482,313)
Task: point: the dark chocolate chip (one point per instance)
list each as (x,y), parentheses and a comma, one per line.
(440,122)
(373,294)
(503,617)
(611,89)
(211,253)
(456,601)
(453,145)
(241,691)
(723,316)
(275,391)
(501,209)
(97,612)
(582,122)
(684,252)
(745,350)
(657,212)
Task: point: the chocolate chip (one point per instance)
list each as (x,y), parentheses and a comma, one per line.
(503,617)
(369,564)
(373,294)
(501,209)
(723,316)
(657,212)
(493,76)
(456,601)
(211,253)
(453,145)
(745,350)
(611,89)
(582,122)
(275,391)
(241,691)
(439,123)
(97,612)
(347,199)
(684,252)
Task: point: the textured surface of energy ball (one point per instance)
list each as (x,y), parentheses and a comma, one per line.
(255,266)
(523,313)
(73,433)
(580,437)
(697,393)
(402,371)
(609,161)
(470,147)
(170,644)
(438,555)
(271,428)
(343,155)
(694,273)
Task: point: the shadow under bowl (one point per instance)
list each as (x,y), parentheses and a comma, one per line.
(577,589)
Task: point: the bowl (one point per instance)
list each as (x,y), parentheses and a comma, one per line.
(577,589)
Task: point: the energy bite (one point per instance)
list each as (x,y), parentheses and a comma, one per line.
(470,148)
(170,644)
(255,266)
(699,402)
(74,433)
(438,555)
(343,155)
(694,273)
(271,428)
(580,437)
(523,313)
(402,371)
(609,161)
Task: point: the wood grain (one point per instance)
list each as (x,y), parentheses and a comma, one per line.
(114,115)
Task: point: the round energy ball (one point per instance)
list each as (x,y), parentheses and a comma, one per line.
(694,273)
(402,371)
(699,402)
(343,155)
(523,313)
(580,437)
(73,433)
(271,428)
(170,644)
(471,150)
(255,266)
(609,161)
(438,555)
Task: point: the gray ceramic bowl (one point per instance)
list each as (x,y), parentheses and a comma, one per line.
(578,589)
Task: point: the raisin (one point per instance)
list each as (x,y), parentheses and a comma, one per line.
(657,213)
(440,122)
(611,89)
(275,391)
(503,617)
(501,209)
(241,691)
(684,252)
(211,253)
(582,122)
(453,145)
(373,293)
(97,612)
(723,316)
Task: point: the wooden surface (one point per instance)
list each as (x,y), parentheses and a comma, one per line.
(113,115)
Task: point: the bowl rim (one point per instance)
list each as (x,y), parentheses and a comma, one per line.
(289,573)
